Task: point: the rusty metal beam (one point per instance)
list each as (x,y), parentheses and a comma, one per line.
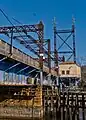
(49,56)
(16,29)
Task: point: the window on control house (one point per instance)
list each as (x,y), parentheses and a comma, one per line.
(67,72)
(63,72)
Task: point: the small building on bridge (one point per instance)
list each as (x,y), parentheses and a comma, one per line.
(69,72)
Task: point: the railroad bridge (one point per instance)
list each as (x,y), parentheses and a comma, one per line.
(19,62)
(17,66)
(16,97)
(15,61)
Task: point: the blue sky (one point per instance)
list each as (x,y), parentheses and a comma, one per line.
(32,11)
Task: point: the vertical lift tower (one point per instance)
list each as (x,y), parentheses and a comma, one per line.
(64,51)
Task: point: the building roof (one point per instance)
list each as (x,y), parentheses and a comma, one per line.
(68,62)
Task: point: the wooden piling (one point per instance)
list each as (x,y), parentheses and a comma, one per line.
(83,107)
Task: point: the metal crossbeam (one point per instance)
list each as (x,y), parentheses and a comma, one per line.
(16,29)
(28,46)
(12,67)
(23,69)
(3,59)
(64,31)
(65,52)
(31,71)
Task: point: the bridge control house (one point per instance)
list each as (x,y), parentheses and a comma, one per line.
(70,73)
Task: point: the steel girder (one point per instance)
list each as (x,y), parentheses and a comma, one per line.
(16,29)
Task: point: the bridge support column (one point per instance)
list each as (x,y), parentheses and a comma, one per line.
(57,80)
(41,77)
(5,77)
(49,79)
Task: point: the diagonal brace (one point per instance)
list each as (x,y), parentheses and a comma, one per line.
(64,41)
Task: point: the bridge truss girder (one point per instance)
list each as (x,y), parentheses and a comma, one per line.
(10,31)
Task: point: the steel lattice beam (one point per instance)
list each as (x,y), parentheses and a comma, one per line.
(38,29)
(16,29)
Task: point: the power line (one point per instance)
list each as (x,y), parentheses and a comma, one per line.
(6,17)
(31,49)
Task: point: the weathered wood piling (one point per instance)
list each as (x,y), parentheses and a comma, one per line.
(41,102)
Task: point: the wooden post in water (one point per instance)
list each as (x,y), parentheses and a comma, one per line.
(83,106)
(72,109)
(60,106)
(57,111)
(77,106)
(68,115)
(63,106)
(32,107)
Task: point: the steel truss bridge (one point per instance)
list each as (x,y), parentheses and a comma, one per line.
(15,61)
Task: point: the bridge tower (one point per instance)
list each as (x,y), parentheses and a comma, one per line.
(64,44)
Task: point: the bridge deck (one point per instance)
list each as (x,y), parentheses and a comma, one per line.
(20,56)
